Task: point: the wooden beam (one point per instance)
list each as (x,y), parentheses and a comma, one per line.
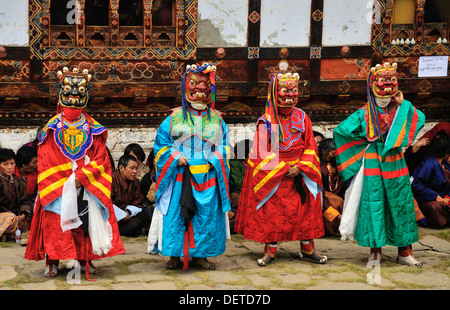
(253,36)
(316,39)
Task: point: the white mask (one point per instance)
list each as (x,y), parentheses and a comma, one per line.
(199,106)
(382,102)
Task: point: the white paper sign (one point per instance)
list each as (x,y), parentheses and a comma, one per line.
(433,66)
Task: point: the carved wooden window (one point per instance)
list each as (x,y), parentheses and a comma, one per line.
(418,21)
(436,19)
(404,15)
(114,23)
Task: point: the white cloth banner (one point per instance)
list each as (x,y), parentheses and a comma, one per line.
(69,207)
(155,232)
(100,231)
(351,206)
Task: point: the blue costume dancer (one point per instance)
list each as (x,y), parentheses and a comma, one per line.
(192,153)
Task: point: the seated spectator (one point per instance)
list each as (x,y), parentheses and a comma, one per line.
(15,205)
(431,183)
(319,137)
(330,175)
(26,169)
(148,182)
(111,159)
(148,186)
(133,218)
(333,188)
(237,172)
(415,153)
(34,143)
(136,150)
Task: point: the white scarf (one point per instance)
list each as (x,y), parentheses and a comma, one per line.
(100,231)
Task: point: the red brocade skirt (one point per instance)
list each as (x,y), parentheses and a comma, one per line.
(47,238)
(282,218)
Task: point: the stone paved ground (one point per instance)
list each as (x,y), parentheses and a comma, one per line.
(237,270)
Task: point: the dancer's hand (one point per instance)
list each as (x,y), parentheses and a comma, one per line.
(77,183)
(399,97)
(182,161)
(293,172)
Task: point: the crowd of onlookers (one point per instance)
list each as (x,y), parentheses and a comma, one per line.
(134,180)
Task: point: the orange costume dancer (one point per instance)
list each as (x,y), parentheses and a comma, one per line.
(74,216)
(280,198)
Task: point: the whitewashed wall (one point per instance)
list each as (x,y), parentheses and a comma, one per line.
(346,22)
(285,23)
(119,138)
(222,23)
(14,23)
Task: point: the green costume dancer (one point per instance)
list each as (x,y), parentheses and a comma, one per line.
(379,207)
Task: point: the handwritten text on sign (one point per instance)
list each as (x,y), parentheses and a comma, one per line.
(433,66)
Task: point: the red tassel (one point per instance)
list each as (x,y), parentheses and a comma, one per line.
(186,250)
(189,243)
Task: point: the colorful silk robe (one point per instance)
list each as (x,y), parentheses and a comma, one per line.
(204,142)
(270,207)
(386,213)
(83,138)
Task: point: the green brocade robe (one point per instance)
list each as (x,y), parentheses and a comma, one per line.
(386,212)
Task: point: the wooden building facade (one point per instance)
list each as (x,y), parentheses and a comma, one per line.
(137,50)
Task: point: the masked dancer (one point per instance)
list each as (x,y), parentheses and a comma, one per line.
(192,153)
(74,216)
(280,198)
(379,205)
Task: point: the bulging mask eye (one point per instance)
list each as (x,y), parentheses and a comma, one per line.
(67,88)
(81,89)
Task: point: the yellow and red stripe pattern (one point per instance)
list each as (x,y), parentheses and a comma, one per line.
(54,170)
(309,164)
(266,172)
(96,178)
(51,181)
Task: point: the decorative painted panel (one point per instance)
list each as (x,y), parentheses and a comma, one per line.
(14,71)
(345,69)
(114,42)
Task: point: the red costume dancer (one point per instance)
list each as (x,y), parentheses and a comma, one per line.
(280,198)
(74,216)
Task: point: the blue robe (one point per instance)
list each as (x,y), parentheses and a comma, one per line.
(430,181)
(204,142)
